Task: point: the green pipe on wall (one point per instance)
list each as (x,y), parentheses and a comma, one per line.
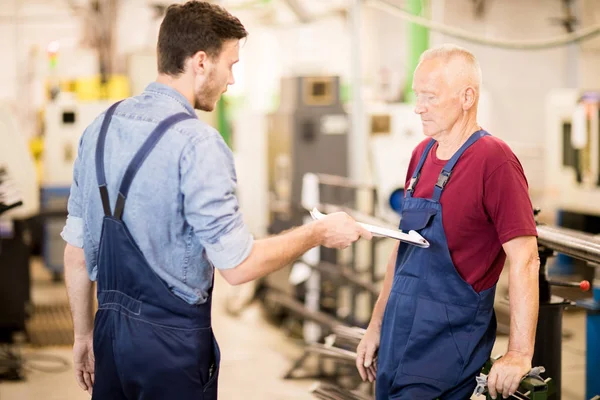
(418,42)
(223,123)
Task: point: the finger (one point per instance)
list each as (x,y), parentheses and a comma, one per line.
(492,379)
(500,385)
(362,372)
(369,356)
(370,375)
(88,380)
(80,380)
(506,387)
(93,376)
(514,386)
(360,360)
(373,369)
(365,233)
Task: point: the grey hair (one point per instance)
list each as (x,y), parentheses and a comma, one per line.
(450,52)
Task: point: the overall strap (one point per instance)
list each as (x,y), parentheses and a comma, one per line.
(140,157)
(447,170)
(415,178)
(100,175)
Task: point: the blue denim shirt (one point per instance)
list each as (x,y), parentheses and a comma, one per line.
(181,209)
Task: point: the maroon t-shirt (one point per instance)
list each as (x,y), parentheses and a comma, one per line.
(484,205)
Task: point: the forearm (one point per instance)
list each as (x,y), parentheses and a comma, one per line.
(80,291)
(379,309)
(273,253)
(524,304)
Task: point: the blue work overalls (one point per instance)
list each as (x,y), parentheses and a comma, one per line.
(437,332)
(148,343)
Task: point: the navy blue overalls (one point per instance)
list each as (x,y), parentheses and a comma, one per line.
(437,332)
(148,343)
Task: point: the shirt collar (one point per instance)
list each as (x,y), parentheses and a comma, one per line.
(166,90)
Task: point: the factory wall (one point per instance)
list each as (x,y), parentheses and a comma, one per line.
(25,31)
(27,27)
(519,81)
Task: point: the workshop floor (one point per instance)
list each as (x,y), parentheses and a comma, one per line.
(255,355)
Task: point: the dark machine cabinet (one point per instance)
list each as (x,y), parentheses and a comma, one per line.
(14,281)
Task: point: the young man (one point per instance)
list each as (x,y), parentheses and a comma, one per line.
(153,211)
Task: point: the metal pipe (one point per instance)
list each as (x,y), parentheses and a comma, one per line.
(335,180)
(358,134)
(326,321)
(338,271)
(338,354)
(326,391)
(573,243)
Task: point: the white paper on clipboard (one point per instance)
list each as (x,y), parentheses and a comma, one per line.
(412,237)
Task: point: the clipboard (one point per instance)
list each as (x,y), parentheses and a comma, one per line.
(412,237)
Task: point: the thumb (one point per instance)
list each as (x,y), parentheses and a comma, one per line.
(365,233)
(369,356)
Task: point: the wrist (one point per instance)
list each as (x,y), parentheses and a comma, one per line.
(81,337)
(83,333)
(375,324)
(317,232)
(521,352)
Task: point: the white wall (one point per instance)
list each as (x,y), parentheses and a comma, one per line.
(26,29)
(28,26)
(517,81)
(589,65)
(520,81)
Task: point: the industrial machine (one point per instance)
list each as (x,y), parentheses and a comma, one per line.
(548,346)
(19,165)
(65,121)
(307,134)
(19,202)
(572,166)
(394,131)
(572,162)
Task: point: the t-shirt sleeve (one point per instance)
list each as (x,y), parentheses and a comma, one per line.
(506,200)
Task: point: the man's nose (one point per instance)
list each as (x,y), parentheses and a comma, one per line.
(419,108)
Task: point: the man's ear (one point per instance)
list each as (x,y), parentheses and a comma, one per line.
(199,61)
(468,98)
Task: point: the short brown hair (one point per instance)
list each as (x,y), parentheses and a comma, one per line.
(192,27)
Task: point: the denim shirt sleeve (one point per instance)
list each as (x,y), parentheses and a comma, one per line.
(73,232)
(208,184)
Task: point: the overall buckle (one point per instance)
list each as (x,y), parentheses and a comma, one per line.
(443,179)
(413,182)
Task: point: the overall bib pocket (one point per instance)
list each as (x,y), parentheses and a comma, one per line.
(432,349)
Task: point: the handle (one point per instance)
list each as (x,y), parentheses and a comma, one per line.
(583,285)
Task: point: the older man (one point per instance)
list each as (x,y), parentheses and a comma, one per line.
(433,325)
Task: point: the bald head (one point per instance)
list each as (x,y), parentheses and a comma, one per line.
(447,84)
(461,68)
